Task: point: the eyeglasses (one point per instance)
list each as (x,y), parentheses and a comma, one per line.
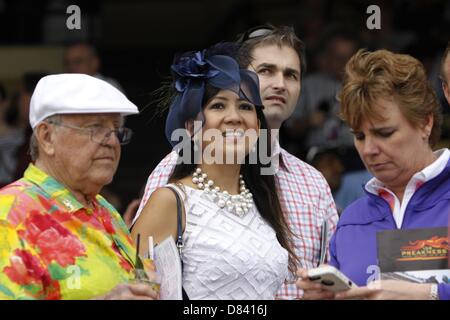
(101,134)
(256,32)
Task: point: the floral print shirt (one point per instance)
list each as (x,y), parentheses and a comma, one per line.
(51,247)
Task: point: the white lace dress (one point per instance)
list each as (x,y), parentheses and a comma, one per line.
(229,257)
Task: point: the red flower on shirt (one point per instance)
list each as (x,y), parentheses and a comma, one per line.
(89,219)
(55,242)
(124,263)
(101,220)
(26,270)
(105,217)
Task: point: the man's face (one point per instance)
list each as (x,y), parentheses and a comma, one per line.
(79,59)
(278,69)
(85,162)
(446,82)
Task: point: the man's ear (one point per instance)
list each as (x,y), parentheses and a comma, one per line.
(44,134)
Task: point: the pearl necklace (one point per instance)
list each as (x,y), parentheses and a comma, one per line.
(236,204)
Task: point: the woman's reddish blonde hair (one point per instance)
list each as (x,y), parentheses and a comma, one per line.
(401,78)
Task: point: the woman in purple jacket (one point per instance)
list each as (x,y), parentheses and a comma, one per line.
(395,118)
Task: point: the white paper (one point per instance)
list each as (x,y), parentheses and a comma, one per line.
(168,265)
(151,253)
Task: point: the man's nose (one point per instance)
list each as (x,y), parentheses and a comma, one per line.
(111,139)
(279,82)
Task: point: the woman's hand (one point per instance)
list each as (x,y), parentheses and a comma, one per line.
(130,291)
(311,290)
(389,290)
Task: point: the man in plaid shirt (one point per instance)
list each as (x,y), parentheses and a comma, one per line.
(278,58)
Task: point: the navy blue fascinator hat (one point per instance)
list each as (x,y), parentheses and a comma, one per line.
(192,71)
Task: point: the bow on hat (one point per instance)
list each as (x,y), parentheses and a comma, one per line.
(192,71)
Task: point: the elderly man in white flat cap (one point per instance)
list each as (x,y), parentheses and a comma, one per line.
(59,239)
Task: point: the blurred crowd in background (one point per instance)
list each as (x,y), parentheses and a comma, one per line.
(130,45)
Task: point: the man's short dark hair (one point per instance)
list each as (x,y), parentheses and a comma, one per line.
(281,36)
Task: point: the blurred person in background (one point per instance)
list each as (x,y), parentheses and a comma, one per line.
(22,105)
(315,120)
(11,138)
(346,186)
(82,57)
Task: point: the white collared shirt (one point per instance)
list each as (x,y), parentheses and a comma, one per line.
(376,187)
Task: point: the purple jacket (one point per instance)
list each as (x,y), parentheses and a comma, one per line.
(353,247)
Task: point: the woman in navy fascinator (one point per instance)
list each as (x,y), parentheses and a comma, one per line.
(233,239)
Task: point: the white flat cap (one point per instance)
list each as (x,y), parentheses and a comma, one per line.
(76,93)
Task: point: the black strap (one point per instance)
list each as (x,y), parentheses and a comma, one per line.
(179,241)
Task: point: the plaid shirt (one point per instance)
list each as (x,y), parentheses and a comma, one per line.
(305,199)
